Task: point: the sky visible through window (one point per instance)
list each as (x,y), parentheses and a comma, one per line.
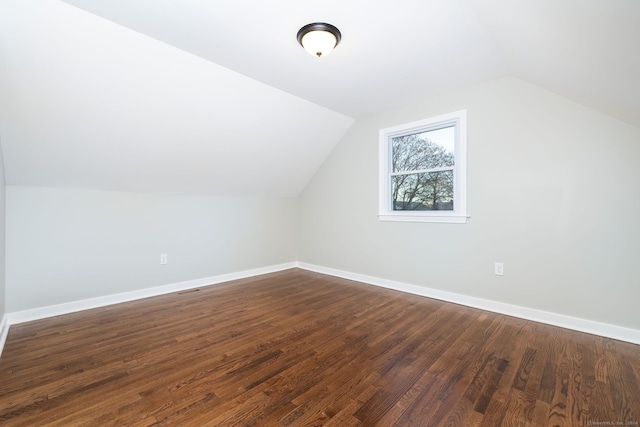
(444,137)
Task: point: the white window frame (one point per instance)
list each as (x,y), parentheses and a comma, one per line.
(459,213)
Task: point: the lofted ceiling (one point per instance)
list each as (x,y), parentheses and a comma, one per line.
(217,97)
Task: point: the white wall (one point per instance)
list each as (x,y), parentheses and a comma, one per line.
(2,238)
(68,245)
(553,193)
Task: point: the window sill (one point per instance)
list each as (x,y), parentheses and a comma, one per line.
(449,219)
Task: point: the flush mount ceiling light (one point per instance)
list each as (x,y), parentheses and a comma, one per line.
(319,38)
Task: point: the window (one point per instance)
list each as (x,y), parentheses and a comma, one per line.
(423,170)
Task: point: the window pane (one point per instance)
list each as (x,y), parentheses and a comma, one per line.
(425,150)
(431,191)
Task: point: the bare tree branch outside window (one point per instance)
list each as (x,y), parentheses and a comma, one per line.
(422,174)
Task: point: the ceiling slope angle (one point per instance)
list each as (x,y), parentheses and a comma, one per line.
(87,103)
(393,53)
(584,50)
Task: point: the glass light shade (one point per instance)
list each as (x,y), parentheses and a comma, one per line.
(319,43)
(319,38)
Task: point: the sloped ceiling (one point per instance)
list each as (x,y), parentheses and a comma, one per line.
(217,97)
(85,103)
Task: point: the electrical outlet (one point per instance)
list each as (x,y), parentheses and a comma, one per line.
(163,259)
(499,269)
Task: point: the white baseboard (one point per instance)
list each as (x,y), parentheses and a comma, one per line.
(561,320)
(74,306)
(582,325)
(4,331)
(87,304)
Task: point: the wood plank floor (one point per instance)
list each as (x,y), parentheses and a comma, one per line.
(297,348)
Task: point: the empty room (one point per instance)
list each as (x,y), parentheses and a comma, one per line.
(305,213)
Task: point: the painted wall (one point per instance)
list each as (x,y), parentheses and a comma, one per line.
(553,194)
(2,236)
(68,245)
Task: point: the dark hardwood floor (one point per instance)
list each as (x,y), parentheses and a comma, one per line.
(297,348)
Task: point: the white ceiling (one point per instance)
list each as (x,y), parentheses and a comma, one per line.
(397,51)
(391,51)
(217,96)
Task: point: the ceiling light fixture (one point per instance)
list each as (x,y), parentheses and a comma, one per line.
(319,38)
